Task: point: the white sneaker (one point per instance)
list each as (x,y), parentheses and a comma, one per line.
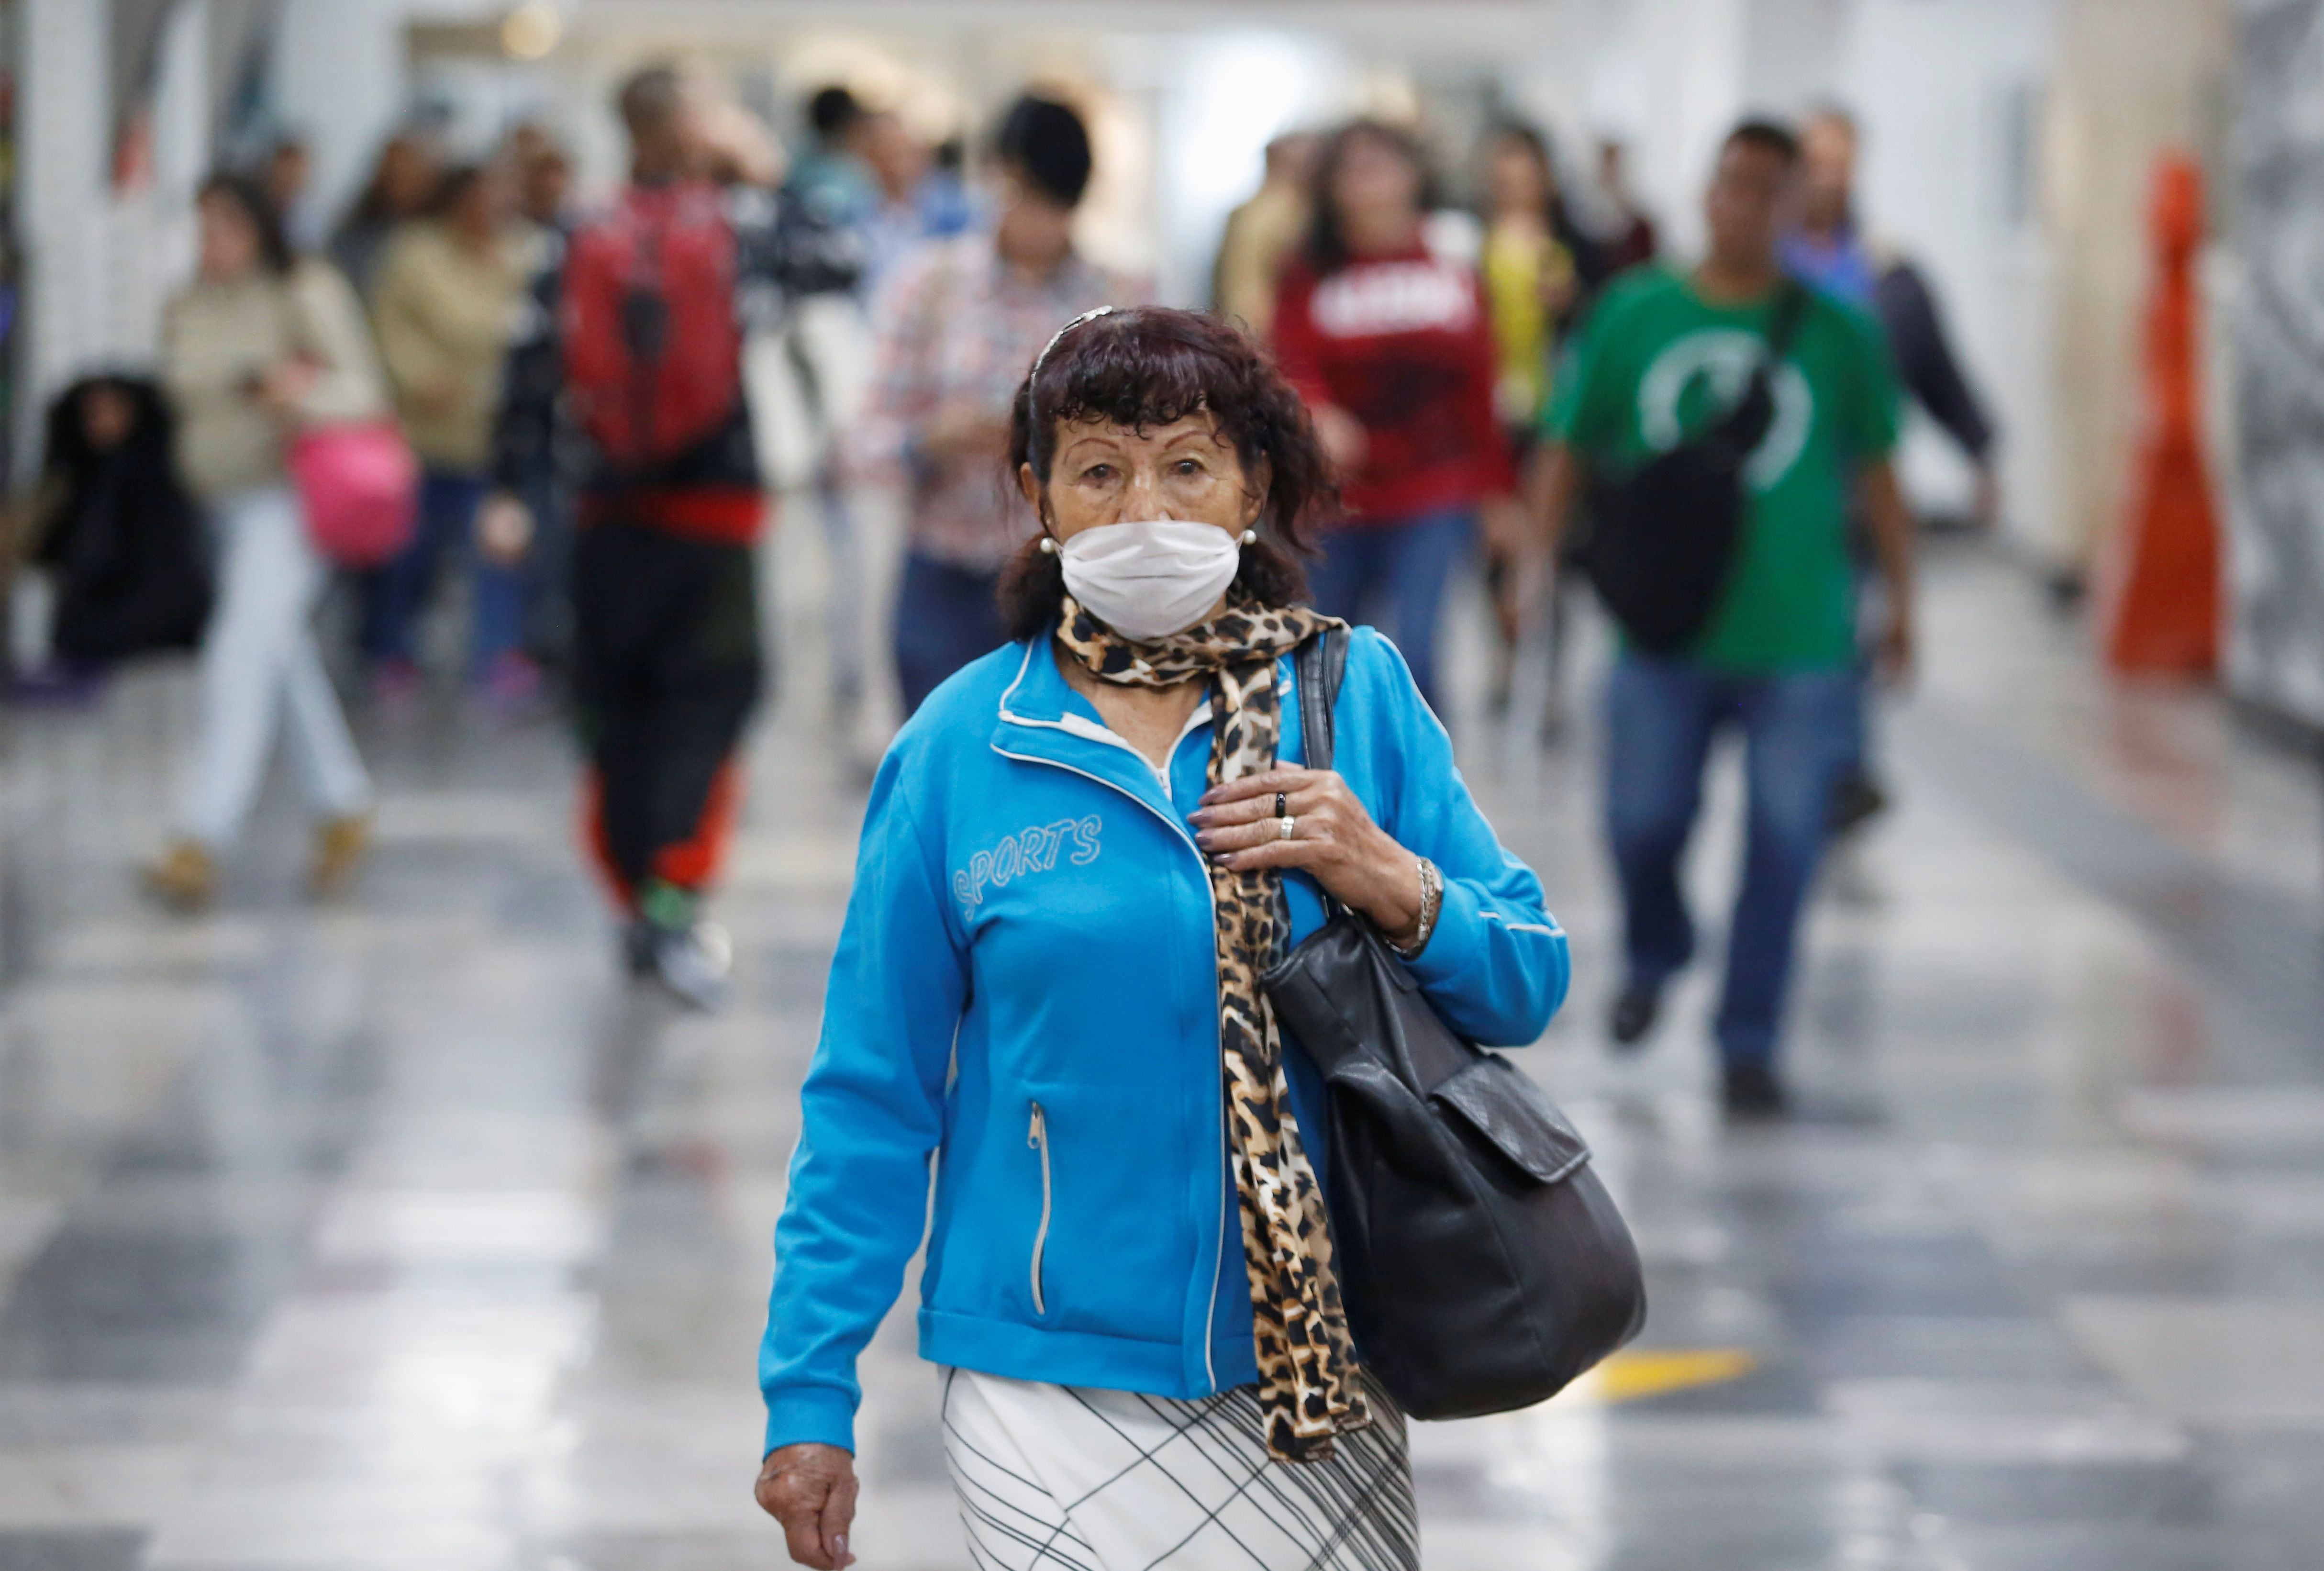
(692,965)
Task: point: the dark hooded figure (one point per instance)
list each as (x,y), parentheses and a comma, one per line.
(119,530)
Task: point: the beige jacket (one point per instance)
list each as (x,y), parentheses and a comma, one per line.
(218,337)
(445,315)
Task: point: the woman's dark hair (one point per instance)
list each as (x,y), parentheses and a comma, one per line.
(1046,143)
(1149,366)
(452,188)
(247,195)
(1535,146)
(1327,242)
(375,204)
(68,451)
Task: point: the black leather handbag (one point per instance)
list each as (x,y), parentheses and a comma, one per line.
(1482,1265)
(1662,539)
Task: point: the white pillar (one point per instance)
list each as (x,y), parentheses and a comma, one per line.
(1218,101)
(64,145)
(340,78)
(1794,56)
(1670,79)
(1947,93)
(150,231)
(182,130)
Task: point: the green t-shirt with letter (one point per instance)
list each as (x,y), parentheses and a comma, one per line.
(1656,363)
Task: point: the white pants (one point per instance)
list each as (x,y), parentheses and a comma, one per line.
(260,660)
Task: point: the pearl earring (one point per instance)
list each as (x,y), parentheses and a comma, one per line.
(1250,537)
(1048,545)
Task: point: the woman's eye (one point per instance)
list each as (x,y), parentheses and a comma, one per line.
(1189,467)
(1098,472)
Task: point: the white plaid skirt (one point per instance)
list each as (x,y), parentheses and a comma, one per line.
(1063,1478)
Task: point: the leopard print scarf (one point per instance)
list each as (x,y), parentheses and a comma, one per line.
(1307,1369)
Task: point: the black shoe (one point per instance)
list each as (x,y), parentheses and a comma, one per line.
(1856,802)
(1752,1091)
(1634,1014)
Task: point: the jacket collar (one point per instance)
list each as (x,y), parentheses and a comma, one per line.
(1042,717)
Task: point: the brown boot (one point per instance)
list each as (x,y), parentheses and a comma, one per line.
(340,846)
(184,877)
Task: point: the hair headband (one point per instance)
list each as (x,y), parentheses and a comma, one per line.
(1042,358)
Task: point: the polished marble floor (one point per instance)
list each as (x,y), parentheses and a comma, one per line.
(395,1235)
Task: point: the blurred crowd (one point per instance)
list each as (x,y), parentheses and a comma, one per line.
(578,418)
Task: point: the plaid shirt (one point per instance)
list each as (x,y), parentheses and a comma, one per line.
(958,329)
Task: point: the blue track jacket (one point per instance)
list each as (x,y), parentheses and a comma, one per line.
(1026,990)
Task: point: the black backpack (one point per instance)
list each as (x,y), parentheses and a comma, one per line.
(126,542)
(1662,538)
(1482,1265)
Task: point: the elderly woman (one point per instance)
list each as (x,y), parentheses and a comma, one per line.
(1079,857)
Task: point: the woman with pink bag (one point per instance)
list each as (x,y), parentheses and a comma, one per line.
(262,348)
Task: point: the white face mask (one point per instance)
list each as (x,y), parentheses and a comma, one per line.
(1150,580)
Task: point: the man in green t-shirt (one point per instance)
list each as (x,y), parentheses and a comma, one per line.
(1662,357)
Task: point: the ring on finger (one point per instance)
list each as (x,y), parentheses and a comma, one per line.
(1286,828)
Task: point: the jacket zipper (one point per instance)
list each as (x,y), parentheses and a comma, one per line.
(1075,725)
(1218,1261)
(1037,1137)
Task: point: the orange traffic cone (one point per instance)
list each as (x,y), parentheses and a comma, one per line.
(2164,616)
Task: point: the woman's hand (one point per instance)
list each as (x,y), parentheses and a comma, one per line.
(504,529)
(435,394)
(1897,649)
(811,1489)
(1333,840)
(1513,544)
(1343,438)
(1557,288)
(280,386)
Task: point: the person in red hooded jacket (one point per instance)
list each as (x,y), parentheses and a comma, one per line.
(1392,346)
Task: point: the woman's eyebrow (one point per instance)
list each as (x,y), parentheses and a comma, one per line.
(1208,435)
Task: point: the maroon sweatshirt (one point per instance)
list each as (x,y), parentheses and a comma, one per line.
(1403,342)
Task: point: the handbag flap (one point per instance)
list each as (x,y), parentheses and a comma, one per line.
(1501,1102)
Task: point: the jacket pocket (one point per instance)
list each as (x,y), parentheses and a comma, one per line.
(1111,1251)
(1037,1136)
(1071,1207)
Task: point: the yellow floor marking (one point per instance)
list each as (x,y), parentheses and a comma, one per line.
(1636,1373)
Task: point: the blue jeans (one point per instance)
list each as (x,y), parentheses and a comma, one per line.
(1662,716)
(1405,563)
(400,590)
(946,616)
(546,574)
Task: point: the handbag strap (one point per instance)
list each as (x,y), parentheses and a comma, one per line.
(1792,299)
(1790,310)
(1741,429)
(1319,665)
